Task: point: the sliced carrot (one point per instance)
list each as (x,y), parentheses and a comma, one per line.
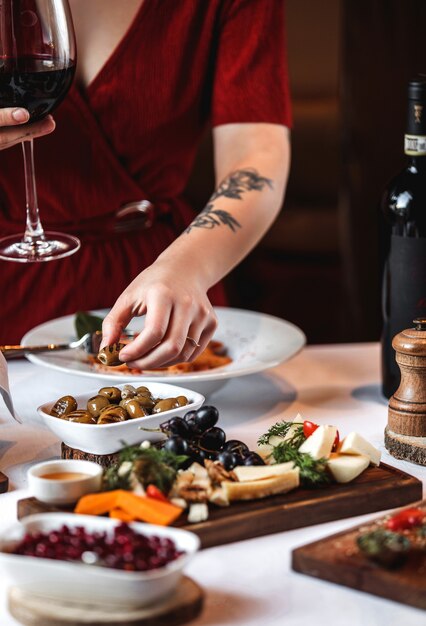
(121,515)
(147,509)
(97,503)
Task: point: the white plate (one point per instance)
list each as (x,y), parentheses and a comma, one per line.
(67,580)
(255,342)
(109,438)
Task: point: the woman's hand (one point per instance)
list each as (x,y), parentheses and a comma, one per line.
(178,317)
(12,130)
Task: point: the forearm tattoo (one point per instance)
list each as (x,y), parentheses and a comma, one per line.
(233,186)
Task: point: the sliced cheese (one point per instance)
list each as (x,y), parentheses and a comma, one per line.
(261,472)
(252,490)
(346,467)
(320,443)
(355,444)
(275,440)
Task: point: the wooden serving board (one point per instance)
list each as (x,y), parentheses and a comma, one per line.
(378,488)
(338,560)
(36,610)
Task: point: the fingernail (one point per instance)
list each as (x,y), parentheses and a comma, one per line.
(20,115)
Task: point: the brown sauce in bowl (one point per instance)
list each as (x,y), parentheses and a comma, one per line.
(65,476)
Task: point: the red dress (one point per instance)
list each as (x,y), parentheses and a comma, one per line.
(133,135)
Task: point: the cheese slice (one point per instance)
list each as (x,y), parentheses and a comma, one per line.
(260,472)
(346,467)
(254,489)
(275,440)
(320,443)
(355,444)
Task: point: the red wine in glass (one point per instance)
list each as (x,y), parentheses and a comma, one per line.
(37,65)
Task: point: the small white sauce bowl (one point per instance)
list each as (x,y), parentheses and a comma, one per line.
(64,491)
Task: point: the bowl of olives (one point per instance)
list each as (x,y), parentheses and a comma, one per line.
(103,421)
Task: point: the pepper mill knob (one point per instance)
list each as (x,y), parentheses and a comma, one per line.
(405,435)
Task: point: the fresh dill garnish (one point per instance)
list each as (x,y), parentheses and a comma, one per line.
(151,466)
(281,429)
(313,473)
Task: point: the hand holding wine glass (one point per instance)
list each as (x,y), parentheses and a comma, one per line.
(37,65)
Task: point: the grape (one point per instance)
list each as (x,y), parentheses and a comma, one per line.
(236,447)
(212,439)
(176,426)
(228,460)
(253,458)
(206,418)
(177,445)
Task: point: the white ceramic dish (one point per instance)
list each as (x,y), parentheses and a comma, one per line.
(109,438)
(255,342)
(64,491)
(67,580)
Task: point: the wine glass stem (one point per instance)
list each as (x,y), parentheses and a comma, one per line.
(33,229)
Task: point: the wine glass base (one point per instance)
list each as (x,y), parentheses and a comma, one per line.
(52,246)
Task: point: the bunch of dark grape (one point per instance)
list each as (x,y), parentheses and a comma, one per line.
(197,436)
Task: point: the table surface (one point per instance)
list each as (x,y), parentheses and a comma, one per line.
(250,582)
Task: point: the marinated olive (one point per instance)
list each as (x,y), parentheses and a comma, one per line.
(165,405)
(143,391)
(128,391)
(146,401)
(134,409)
(81,417)
(112,393)
(112,414)
(96,404)
(182,400)
(63,406)
(109,355)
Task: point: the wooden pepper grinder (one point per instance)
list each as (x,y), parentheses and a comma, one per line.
(405,434)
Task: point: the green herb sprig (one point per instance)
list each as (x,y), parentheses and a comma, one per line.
(281,429)
(151,466)
(313,472)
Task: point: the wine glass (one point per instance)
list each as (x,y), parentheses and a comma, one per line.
(37,65)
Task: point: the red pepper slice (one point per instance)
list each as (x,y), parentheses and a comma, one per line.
(336,442)
(153,492)
(406,519)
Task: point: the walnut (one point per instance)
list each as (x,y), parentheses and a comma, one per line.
(192,493)
(217,473)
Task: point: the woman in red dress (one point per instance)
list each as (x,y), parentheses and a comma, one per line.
(151,75)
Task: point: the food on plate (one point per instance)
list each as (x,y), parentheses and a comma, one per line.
(123,549)
(112,405)
(317,452)
(109,355)
(391,541)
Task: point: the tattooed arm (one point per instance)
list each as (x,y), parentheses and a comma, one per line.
(251,162)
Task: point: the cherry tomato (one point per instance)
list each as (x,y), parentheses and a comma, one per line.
(153,492)
(336,442)
(309,428)
(406,519)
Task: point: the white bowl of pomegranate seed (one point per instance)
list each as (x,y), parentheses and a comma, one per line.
(98,560)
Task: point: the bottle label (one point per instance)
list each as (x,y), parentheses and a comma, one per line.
(407,282)
(415,145)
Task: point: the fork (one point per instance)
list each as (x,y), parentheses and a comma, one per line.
(90,343)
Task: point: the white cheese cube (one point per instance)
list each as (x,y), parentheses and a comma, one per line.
(275,440)
(346,467)
(320,443)
(355,444)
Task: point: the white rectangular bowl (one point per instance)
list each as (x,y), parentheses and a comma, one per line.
(110,438)
(67,580)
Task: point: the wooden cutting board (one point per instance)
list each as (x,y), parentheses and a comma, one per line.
(35,610)
(378,488)
(338,560)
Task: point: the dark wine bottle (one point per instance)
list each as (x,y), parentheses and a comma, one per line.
(404,210)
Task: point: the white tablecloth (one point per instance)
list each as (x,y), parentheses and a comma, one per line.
(249,583)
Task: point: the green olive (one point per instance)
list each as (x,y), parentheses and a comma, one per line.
(182,400)
(165,405)
(143,391)
(96,404)
(63,406)
(81,417)
(112,393)
(134,409)
(109,355)
(112,414)
(128,391)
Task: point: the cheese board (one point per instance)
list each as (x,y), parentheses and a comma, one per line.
(377,488)
(338,559)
